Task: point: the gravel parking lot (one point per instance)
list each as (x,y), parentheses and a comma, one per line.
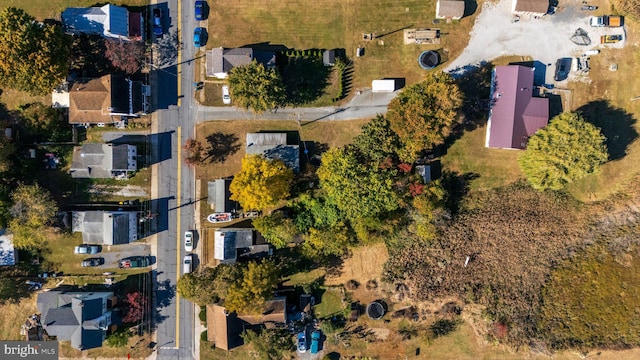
(545,39)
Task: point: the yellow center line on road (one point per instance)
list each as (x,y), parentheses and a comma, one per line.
(178,262)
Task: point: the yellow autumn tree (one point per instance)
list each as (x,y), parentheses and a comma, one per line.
(248,295)
(261,183)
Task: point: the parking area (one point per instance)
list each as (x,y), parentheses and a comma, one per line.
(545,39)
(112,254)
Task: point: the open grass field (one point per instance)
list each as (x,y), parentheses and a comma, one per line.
(51,9)
(326,24)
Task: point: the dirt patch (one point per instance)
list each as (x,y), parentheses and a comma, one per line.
(381,333)
(126,191)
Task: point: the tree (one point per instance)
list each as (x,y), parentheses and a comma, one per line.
(276,229)
(193,151)
(7,154)
(128,56)
(257,88)
(44,122)
(209,285)
(423,115)
(377,141)
(34,56)
(315,211)
(261,183)
(326,242)
(356,188)
(269,344)
(253,289)
(568,149)
(137,307)
(33,206)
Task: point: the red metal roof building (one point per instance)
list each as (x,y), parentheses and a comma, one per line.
(514,113)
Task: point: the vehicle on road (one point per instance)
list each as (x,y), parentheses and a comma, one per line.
(607,20)
(92,262)
(610,39)
(200,10)
(199,37)
(302,342)
(315,342)
(157,22)
(187,263)
(188,241)
(87,249)
(134,262)
(226,98)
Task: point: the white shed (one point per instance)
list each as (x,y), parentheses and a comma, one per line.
(384,85)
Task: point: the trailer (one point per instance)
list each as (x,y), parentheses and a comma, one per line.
(384,85)
(610,39)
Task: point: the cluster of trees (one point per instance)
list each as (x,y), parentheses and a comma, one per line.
(242,288)
(34,56)
(257,88)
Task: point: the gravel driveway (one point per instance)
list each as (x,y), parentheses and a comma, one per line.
(545,39)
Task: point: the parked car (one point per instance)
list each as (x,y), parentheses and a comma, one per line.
(87,249)
(188,241)
(187,263)
(157,22)
(199,37)
(200,10)
(226,99)
(134,262)
(562,69)
(302,342)
(315,341)
(92,262)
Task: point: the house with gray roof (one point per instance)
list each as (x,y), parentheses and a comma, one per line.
(109,21)
(219,61)
(515,114)
(219,196)
(229,242)
(103,161)
(82,318)
(106,227)
(450,9)
(274,146)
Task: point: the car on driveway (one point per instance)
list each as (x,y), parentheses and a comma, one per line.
(157,22)
(134,262)
(226,98)
(302,342)
(86,249)
(199,37)
(315,342)
(562,69)
(200,8)
(92,262)
(188,241)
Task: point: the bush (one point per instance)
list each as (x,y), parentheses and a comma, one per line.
(118,339)
(203,336)
(203,314)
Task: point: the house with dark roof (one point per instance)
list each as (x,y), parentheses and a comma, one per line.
(82,318)
(219,61)
(450,9)
(106,99)
(224,329)
(515,114)
(109,21)
(230,243)
(274,146)
(530,7)
(103,161)
(103,227)
(219,196)
(8,254)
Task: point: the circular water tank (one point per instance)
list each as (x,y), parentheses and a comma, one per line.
(429,59)
(375,310)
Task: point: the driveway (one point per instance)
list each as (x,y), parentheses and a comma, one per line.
(112,254)
(545,39)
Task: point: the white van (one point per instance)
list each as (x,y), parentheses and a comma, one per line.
(187,264)
(226,99)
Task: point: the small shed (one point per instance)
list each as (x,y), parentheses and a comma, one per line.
(530,7)
(329,57)
(450,9)
(383,85)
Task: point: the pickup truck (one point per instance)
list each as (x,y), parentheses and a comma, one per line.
(134,262)
(610,39)
(607,20)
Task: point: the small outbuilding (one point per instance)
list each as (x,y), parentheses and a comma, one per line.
(530,7)
(329,57)
(450,9)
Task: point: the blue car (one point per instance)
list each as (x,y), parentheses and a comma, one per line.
(200,15)
(198,37)
(315,342)
(302,342)
(157,22)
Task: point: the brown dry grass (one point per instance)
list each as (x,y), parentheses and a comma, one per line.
(364,264)
(136,348)
(13,315)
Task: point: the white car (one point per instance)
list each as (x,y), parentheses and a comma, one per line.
(187,264)
(188,241)
(226,99)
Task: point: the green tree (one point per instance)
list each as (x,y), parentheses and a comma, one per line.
(261,183)
(357,189)
(325,242)
(269,344)
(568,149)
(377,141)
(209,285)
(34,57)
(44,122)
(423,115)
(254,288)
(314,211)
(276,229)
(257,88)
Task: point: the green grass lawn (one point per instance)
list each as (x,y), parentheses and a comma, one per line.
(330,303)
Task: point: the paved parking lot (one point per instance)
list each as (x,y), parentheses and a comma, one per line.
(545,39)
(112,254)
